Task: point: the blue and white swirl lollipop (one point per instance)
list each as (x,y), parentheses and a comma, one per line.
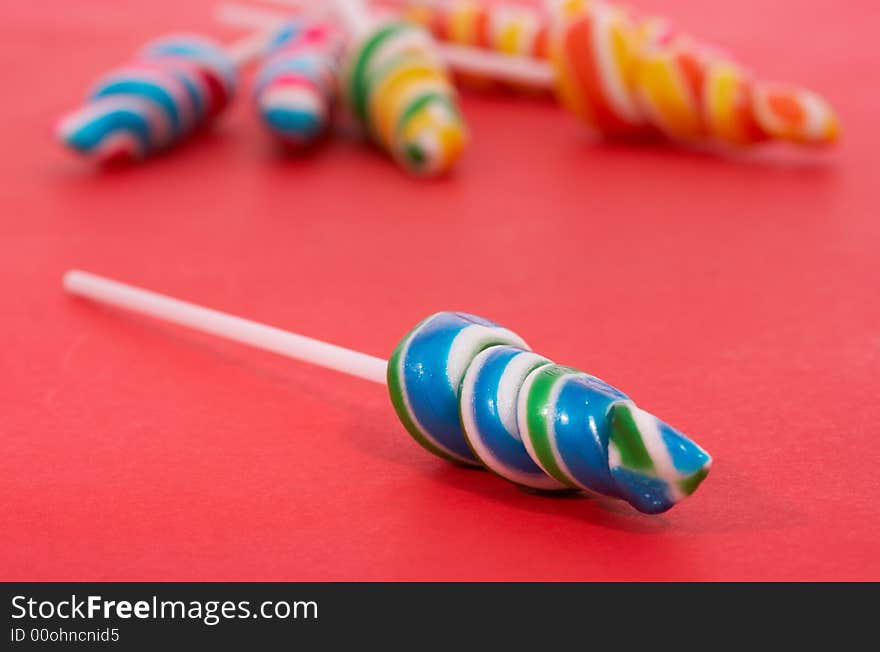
(471,391)
(533,422)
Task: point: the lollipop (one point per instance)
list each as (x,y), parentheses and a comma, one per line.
(173,87)
(296,86)
(508,29)
(626,76)
(398,88)
(393,83)
(472,392)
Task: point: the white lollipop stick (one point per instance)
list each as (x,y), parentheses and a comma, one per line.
(354,14)
(243,51)
(206,320)
(502,67)
(259,18)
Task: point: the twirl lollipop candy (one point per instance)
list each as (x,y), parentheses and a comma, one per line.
(504,28)
(626,76)
(629,76)
(507,29)
(174,86)
(472,392)
(397,86)
(297,85)
(399,89)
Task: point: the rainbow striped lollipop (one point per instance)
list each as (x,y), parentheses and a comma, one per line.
(472,392)
(625,75)
(172,88)
(507,29)
(296,86)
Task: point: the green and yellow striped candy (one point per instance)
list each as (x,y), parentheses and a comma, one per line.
(398,88)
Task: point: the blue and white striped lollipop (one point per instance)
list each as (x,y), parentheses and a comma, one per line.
(471,391)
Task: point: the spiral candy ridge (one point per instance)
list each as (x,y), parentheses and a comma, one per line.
(472,392)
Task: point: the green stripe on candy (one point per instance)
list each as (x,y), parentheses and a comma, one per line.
(359,83)
(396,392)
(414,154)
(405,59)
(539,412)
(689,485)
(627,439)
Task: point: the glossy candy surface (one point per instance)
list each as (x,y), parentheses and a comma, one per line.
(504,28)
(400,91)
(472,392)
(173,87)
(297,84)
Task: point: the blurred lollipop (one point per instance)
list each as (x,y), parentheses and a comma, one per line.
(173,87)
(624,75)
(296,86)
(392,81)
(396,84)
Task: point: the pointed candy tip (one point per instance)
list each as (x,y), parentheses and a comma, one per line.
(654,465)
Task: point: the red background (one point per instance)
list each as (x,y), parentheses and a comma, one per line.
(737,299)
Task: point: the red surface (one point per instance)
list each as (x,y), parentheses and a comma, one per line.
(738,300)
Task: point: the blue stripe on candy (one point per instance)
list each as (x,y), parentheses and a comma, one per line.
(507,448)
(686,456)
(289,120)
(194,90)
(146,89)
(89,136)
(285,35)
(582,430)
(646,493)
(433,401)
